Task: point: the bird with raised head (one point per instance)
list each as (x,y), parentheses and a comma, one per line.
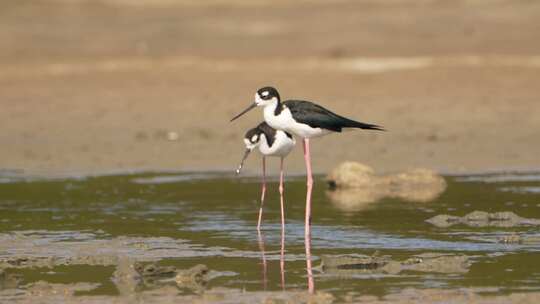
(304,119)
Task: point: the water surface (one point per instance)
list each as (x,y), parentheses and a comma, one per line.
(187,219)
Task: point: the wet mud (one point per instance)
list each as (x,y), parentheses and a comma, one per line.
(426,262)
(194,278)
(131,277)
(519,239)
(483,219)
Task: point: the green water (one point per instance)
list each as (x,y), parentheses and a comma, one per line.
(210,219)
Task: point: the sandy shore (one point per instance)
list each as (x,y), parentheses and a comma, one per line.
(94,88)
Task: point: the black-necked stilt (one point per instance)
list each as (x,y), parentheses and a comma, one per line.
(271,142)
(306,120)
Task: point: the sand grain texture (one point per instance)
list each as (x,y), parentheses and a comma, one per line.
(94,87)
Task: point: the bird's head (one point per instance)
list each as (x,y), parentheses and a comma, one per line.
(252,140)
(263,97)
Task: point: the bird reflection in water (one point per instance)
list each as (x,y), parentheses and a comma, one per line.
(263,258)
(309,267)
(282,259)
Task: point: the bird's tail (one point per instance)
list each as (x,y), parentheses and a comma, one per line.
(356,124)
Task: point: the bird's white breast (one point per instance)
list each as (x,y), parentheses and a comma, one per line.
(285,121)
(282,145)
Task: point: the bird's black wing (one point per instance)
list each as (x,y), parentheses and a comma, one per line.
(316,116)
(269,132)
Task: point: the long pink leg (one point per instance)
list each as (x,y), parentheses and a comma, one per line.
(282,257)
(311,283)
(281,188)
(307,157)
(263,192)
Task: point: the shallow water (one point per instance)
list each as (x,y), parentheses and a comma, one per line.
(188,219)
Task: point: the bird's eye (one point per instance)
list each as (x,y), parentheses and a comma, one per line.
(265,95)
(254,138)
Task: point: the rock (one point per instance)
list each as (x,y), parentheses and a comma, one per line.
(351,175)
(442,264)
(444,220)
(194,278)
(369,263)
(416,185)
(62,291)
(435,263)
(483,219)
(477,216)
(154,270)
(153,275)
(27,262)
(415,178)
(131,276)
(126,278)
(504,216)
(353,185)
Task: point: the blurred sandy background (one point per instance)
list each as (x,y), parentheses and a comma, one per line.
(100,86)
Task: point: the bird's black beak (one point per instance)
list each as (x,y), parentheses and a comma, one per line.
(253,105)
(242,162)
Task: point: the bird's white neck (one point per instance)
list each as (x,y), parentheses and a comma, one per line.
(263,142)
(270,109)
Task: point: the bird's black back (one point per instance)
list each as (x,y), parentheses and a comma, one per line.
(269,133)
(316,116)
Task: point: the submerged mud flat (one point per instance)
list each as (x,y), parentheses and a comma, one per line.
(161,237)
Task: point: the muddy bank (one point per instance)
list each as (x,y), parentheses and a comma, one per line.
(483,219)
(353,186)
(426,262)
(131,277)
(436,295)
(32,249)
(66,293)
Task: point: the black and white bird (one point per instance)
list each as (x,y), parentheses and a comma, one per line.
(271,142)
(304,119)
